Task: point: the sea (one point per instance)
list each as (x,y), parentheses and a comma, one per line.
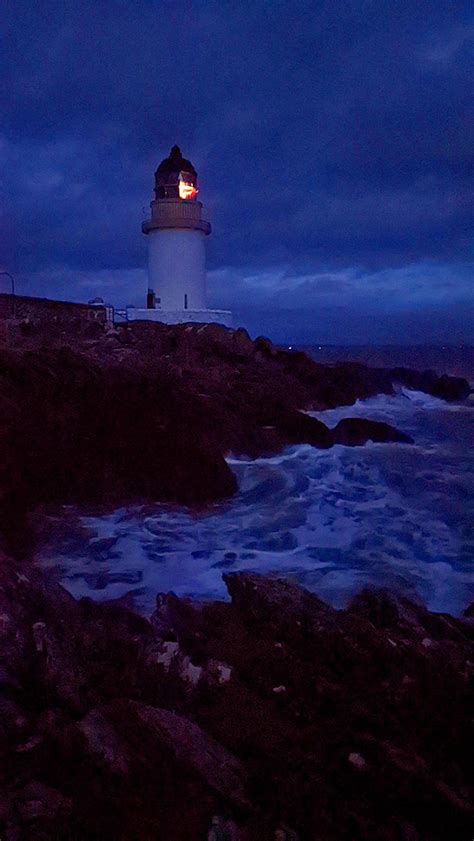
(397,516)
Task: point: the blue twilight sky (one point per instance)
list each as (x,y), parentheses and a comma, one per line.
(331,138)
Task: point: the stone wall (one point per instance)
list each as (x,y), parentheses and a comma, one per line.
(20,315)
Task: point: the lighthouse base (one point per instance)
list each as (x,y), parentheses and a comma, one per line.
(223,317)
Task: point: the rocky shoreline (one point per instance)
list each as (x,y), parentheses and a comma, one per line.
(349,724)
(148,411)
(272,708)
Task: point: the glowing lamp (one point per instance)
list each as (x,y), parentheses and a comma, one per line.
(187,190)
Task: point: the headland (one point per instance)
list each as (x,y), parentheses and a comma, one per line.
(272,708)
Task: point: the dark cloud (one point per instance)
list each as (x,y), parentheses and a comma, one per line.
(330,137)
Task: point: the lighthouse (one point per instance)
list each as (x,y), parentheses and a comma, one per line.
(176,234)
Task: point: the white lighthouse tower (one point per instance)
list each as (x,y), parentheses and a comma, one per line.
(176,235)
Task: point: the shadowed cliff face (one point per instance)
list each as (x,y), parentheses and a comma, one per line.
(342,724)
(76,432)
(150,411)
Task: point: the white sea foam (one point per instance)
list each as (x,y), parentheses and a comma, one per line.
(335,520)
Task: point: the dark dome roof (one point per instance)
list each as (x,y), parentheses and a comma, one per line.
(175,163)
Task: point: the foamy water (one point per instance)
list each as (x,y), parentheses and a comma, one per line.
(335,520)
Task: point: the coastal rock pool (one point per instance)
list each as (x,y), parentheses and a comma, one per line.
(392,515)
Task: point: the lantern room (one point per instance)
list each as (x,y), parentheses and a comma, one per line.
(176,178)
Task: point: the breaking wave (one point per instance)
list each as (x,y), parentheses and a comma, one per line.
(334,520)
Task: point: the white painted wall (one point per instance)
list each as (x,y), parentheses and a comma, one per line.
(176,267)
(181,316)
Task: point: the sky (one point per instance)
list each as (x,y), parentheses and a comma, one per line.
(331,138)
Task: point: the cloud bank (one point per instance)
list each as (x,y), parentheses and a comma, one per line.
(331,141)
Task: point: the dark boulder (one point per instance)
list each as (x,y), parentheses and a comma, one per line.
(469,612)
(445,387)
(355,431)
(299,428)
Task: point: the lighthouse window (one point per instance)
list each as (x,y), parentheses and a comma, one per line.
(185,302)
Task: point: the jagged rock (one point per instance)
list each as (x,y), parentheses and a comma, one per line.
(303,429)
(265,347)
(103,743)
(342,724)
(355,431)
(196,750)
(37,800)
(469,612)
(445,387)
